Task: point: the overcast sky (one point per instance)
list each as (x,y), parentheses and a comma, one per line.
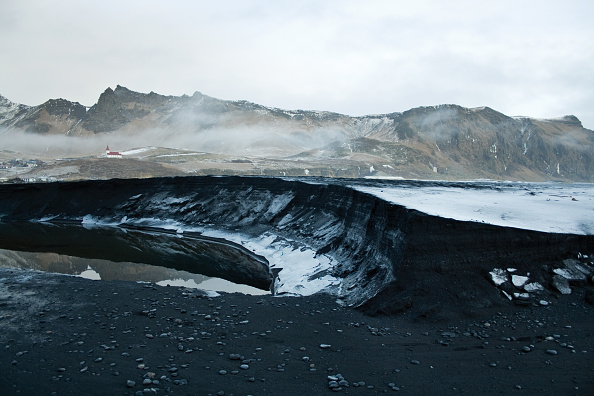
(531,57)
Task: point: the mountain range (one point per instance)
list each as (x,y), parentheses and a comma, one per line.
(200,134)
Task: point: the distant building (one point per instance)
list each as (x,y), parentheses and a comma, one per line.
(112,154)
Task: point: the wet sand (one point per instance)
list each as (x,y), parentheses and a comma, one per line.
(65,335)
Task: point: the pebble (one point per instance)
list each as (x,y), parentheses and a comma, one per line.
(337,382)
(551,352)
(130,383)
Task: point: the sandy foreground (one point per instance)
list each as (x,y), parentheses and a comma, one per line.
(64,335)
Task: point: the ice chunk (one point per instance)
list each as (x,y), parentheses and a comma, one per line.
(561,284)
(519,280)
(532,287)
(570,274)
(574,266)
(498,276)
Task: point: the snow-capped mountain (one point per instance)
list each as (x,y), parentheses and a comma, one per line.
(438,142)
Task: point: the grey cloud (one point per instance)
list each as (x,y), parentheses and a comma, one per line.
(343,56)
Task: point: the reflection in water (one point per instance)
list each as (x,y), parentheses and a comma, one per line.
(97,269)
(215,284)
(133,255)
(90,273)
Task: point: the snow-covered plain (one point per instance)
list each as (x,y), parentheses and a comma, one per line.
(546,207)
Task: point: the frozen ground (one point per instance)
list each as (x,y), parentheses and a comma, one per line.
(319,235)
(547,207)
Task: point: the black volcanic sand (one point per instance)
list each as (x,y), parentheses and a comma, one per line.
(71,336)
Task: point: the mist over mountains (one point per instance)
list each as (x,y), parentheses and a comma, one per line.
(209,135)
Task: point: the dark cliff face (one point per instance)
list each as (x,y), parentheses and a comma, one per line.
(388,258)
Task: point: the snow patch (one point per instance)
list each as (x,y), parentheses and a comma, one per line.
(137,151)
(299,270)
(178,155)
(546,207)
(46,219)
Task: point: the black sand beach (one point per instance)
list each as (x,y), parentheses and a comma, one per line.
(66,335)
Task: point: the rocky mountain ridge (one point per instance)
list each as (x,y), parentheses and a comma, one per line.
(437,142)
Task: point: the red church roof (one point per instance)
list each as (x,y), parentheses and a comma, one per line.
(109,152)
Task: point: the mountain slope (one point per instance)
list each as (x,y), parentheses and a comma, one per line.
(446,141)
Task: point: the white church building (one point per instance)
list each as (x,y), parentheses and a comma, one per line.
(112,154)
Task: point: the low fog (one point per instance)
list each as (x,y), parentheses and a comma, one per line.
(246,141)
(437,123)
